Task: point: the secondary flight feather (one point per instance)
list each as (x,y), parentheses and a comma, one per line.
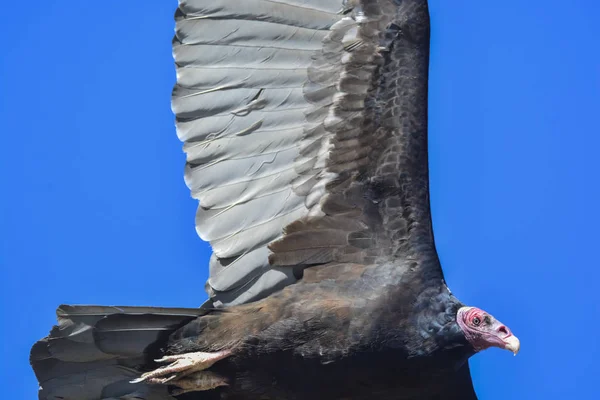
(305,128)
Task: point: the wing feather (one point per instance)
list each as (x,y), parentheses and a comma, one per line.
(95,351)
(240,105)
(304,126)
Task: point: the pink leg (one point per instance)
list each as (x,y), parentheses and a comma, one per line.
(181,365)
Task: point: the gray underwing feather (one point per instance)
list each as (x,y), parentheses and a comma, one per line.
(304,125)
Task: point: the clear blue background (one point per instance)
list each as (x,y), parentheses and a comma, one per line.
(94,208)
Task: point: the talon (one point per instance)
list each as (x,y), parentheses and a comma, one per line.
(167,358)
(181,365)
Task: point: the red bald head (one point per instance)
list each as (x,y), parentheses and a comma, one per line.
(483,330)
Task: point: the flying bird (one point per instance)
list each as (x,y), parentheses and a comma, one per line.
(305,128)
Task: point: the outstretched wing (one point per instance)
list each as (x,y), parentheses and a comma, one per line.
(305,128)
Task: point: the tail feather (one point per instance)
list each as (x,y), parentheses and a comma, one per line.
(95,351)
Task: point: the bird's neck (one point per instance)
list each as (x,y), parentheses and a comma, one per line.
(436,330)
(428,327)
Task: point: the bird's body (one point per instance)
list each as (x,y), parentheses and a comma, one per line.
(305,126)
(337,345)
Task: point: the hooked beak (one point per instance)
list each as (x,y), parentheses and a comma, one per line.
(513,344)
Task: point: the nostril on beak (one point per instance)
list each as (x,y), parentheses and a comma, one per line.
(504,330)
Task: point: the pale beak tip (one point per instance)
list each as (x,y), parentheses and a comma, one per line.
(513,344)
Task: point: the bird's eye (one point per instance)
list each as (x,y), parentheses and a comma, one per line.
(476,321)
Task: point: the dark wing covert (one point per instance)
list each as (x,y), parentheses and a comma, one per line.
(305,128)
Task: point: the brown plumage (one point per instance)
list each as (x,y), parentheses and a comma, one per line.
(305,126)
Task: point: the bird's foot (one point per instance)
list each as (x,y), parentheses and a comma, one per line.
(182,365)
(196,381)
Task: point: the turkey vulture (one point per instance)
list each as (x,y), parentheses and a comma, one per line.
(305,128)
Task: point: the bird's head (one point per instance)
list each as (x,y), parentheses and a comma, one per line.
(483,330)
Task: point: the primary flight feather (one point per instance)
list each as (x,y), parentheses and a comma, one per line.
(305,128)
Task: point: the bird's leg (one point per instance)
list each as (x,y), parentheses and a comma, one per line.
(197,381)
(180,366)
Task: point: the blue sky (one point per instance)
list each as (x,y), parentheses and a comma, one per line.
(94,209)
